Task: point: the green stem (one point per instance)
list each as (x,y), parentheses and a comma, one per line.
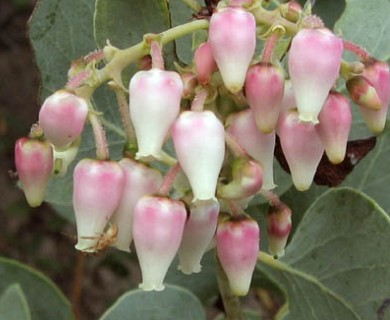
(230,301)
(273,18)
(120,59)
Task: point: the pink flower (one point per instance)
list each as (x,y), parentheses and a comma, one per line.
(97,189)
(199,140)
(232,37)
(278,229)
(237,250)
(158,229)
(155,97)
(34,164)
(62,118)
(314,63)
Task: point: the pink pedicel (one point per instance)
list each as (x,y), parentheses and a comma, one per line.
(247,179)
(198,233)
(155,97)
(377,72)
(237,249)
(199,141)
(335,124)
(140,180)
(232,37)
(34,164)
(264,88)
(260,146)
(314,62)
(278,229)
(302,148)
(205,64)
(62,118)
(363,93)
(157,230)
(97,189)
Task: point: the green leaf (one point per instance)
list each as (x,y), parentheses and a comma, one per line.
(248,314)
(13,304)
(366,23)
(171,303)
(371,175)
(60,34)
(337,265)
(124,22)
(204,284)
(45,300)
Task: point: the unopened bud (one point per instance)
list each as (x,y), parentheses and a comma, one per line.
(278,229)
(238,244)
(34,164)
(335,124)
(264,87)
(363,93)
(62,118)
(377,72)
(247,179)
(205,64)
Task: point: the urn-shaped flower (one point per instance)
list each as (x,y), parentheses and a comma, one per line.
(155,97)
(97,189)
(34,164)
(314,62)
(237,249)
(232,37)
(157,230)
(62,118)
(199,140)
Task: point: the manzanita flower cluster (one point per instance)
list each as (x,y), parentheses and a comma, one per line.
(221,116)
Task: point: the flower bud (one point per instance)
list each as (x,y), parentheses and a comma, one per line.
(140,180)
(155,97)
(377,72)
(158,229)
(199,140)
(64,157)
(278,229)
(34,164)
(97,189)
(314,63)
(62,117)
(335,124)
(363,93)
(246,181)
(260,146)
(205,64)
(237,250)
(291,10)
(264,87)
(302,148)
(232,37)
(198,233)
